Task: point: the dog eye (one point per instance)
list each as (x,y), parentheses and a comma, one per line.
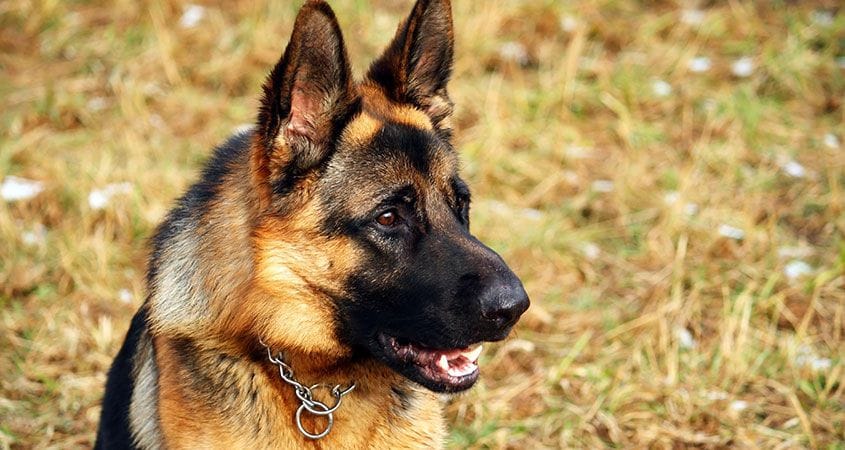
(388,218)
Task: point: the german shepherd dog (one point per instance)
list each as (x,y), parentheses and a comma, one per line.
(327,246)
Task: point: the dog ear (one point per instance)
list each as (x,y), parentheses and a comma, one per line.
(307,97)
(417,64)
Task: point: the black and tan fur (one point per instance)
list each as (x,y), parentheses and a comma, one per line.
(284,239)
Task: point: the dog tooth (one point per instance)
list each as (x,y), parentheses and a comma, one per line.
(471,368)
(443,362)
(472,355)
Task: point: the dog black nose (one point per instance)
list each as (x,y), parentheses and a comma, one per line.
(503,301)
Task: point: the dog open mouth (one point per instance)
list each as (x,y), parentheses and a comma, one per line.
(439,369)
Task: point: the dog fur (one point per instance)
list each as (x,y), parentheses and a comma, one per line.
(338,223)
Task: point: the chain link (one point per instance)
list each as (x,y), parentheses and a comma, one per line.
(305,394)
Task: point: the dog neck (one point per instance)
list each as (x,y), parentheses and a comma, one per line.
(287,373)
(206,390)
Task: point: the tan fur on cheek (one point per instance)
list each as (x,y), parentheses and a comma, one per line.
(291,314)
(297,277)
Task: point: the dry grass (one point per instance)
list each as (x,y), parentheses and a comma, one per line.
(606,193)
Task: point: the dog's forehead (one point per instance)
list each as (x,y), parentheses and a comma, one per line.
(375,102)
(394,144)
(376,112)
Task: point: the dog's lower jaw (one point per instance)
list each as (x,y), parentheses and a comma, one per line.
(213,400)
(439,370)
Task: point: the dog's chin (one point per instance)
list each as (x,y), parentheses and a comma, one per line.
(437,369)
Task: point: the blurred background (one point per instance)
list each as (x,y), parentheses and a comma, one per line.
(667,177)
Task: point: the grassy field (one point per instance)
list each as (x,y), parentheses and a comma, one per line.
(668,181)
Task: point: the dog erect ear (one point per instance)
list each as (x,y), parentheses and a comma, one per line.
(417,65)
(307,96)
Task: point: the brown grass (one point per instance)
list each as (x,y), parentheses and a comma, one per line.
(648,327)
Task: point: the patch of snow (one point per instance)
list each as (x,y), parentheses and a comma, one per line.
(796,269)
(693,16)
(831,141)
(157,122)
(685,339)
(532,214)
(34,236)
(571,177)
(17,188)
(715,395)
(806,357)
(514,52)
(794,169)
(709,105)
(99,198)
(822,18)
(671,197)
(743,67)
(591,251)
(700,64)
(504,209)
(125,296)
(96,104)
(739,405)
(578,152)
(152,89)
(569,23)
(661,88)
(730,232)
(820,364)
(191,16)
(603,186)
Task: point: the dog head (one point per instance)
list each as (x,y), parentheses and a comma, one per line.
(363,245)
